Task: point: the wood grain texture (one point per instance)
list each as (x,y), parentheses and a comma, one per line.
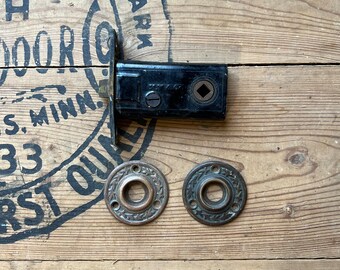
(174,265)
(257,31)
(282,133)
(234,32)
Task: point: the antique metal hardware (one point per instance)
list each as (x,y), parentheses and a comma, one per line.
(230,182)
(136,211)
(149,90)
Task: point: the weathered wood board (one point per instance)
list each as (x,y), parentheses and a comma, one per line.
(175,265)
(233,32)
(282,132)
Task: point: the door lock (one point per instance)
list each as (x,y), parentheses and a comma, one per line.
(151,90)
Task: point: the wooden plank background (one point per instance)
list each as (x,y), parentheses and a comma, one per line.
(281,132)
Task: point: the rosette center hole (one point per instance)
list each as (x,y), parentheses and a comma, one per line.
(214,194)
(213,191)
(135,191)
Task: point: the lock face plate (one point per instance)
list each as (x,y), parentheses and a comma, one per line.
(151,90)
(196,195)
(145,89)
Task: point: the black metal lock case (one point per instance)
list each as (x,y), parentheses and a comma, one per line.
(151,90)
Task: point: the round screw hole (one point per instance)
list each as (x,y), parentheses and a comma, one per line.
(135,168)
(115,205)
(215,169)
(193,204)
(234,207)
(156,204)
